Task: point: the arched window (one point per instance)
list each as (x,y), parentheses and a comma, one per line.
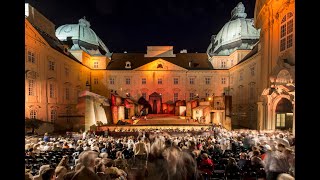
(286,32)
(33,114)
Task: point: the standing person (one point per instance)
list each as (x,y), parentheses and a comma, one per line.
(46,137)
(84,135)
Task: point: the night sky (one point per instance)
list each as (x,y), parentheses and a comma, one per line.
(132,25)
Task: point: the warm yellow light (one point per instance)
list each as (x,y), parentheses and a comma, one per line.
(209,98)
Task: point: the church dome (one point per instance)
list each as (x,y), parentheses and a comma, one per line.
(238,33)
(81,36)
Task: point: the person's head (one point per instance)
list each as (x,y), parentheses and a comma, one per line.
(49,174)
(256,153)
(109,164)
(87,158)
(119,154)
(285,176)
(60,171)
(205,156)
(232,161)
(281,147)
(243,155)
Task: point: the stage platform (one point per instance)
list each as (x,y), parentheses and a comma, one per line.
(158,121)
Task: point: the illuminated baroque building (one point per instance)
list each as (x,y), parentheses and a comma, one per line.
(251,60)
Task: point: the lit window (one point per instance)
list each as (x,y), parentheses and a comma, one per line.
(31,57)
(160,81)
(175,97)
(207,80)
(51,90)
(191,80)
(175,81)
(33,114)
(223,80)
(191,96)
(67,93)
(143,81)
(53,115)
(281,120)
(128,80)
(51,65)
(31,87)
(96,64)
(111,80)
(95,81)
(286,32)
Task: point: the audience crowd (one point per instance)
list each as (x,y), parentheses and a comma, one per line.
(157,154)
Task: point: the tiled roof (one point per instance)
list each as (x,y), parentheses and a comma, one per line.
(199,61)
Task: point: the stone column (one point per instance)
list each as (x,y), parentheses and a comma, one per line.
(260,121)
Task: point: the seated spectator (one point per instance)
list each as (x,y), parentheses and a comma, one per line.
(114,171)
(242,160)
(206,165)
(100,171)
(120,162)
(41,170)
(232,166)
(49,174)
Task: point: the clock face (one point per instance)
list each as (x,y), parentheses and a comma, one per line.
(68,29)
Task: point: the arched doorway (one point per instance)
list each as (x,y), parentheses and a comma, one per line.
(284,115)
(155,101)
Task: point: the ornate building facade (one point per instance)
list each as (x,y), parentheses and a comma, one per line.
(251,60)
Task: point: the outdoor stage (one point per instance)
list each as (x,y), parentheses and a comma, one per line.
(157,121)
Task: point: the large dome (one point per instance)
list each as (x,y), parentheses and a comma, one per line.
(238,33)
(81,36)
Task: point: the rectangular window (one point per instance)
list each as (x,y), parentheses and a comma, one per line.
(51,90)
(31,87)
(282,44)
(191,96)
(175,81)
(175,97)
(160,81)
(283,31)
(51,65)
(231,62)
(290,26)
(281,120)
(289,40)
(191,80)
(207,94)
(223,80)
(128,80)
(143,81)
(33,114)
(144,95)
(96,64)
(67,94)
(95,81)
(223,64)
(111,80)
(207,80)
(31,57)
(53,115)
